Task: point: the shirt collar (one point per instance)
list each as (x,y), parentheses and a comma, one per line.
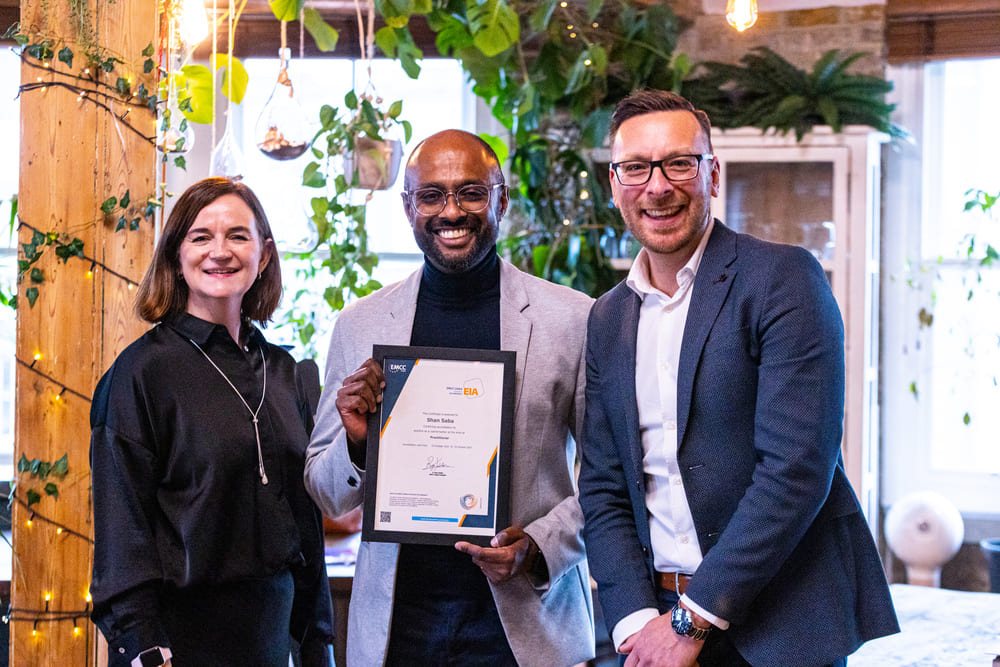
(199,330)
(638,276)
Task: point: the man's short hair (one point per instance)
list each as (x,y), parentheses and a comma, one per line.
(651,100)
(491,154)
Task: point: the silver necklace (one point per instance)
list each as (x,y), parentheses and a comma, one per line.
(253,413)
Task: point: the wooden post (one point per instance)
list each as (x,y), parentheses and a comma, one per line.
(74,156)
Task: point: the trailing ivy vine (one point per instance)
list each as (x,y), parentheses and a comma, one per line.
(37,472)
(339,218)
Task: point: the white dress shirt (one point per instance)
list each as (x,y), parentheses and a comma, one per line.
(658,348)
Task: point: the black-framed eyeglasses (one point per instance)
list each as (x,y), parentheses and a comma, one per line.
(470,198)
(674,168)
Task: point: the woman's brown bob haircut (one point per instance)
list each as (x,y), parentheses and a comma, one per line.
(163,293)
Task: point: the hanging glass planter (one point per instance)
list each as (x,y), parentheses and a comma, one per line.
(227,159)
(282,131)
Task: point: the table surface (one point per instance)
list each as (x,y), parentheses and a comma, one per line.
(939,627)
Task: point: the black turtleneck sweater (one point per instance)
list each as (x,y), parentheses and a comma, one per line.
(453,310)
(459,309)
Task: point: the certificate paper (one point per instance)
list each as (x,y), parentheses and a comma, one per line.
(438,460)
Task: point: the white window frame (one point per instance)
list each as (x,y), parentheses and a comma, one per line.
(910,269)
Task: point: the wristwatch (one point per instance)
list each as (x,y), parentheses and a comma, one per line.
(683,624)
(152,657)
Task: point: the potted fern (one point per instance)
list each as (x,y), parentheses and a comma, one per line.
(767,91)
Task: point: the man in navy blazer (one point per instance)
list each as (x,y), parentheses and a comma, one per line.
(720,525)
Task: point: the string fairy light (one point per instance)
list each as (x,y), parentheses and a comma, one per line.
(103,90)
(94,263)
(34,514)
(119,100)
(30,365)
(46,614)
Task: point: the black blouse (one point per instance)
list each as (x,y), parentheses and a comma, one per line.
(178,499)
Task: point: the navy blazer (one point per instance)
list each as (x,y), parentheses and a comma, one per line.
(789,560)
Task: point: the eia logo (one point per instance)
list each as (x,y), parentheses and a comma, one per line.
(473,388)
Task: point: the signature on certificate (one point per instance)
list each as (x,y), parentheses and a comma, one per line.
(435,465)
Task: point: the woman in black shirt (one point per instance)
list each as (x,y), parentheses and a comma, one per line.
(207,548)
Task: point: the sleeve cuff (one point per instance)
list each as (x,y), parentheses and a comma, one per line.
(720,623)
(632,624)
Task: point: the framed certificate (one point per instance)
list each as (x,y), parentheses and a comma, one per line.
(438,459)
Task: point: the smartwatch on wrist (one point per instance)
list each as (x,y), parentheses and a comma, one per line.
(152,657)
(683,624)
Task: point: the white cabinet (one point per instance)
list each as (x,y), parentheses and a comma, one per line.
(821,193)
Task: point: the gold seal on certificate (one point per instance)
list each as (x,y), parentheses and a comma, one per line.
(438,461)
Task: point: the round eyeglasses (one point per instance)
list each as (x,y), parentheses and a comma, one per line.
(674,168)
(470,198)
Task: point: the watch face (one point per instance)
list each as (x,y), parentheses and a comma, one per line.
(680,620)
(151,658)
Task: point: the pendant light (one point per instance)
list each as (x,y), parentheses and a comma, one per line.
(741,14)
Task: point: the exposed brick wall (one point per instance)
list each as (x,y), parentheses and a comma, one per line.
(799,36)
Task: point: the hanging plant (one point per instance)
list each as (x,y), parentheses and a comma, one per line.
(341,250)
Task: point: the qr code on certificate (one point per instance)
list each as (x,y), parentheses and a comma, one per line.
(386,517)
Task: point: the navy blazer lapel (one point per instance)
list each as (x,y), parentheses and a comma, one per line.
(625,377)
(711,285)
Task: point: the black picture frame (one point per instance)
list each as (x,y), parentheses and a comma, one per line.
(498,514)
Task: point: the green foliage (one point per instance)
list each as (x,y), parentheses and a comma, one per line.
(39,471)
(984,201)
(286,10)
(979,258)
(340,221)
(240,78)
(767,91)
(323,33)
(553,87)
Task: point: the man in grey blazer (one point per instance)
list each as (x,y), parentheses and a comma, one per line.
(720,526)
(526,599)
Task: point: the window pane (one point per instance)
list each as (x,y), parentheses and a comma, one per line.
(965,366)
(439,99)
(940,311)
(10,78)
(961,154)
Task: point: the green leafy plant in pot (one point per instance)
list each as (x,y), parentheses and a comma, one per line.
(350,156)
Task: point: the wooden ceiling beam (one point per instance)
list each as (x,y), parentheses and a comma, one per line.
(259,36)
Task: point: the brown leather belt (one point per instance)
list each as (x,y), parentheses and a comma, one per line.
(673,581)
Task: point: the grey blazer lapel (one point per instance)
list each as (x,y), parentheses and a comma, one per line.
(400,308)
(515,326)
(711,285)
